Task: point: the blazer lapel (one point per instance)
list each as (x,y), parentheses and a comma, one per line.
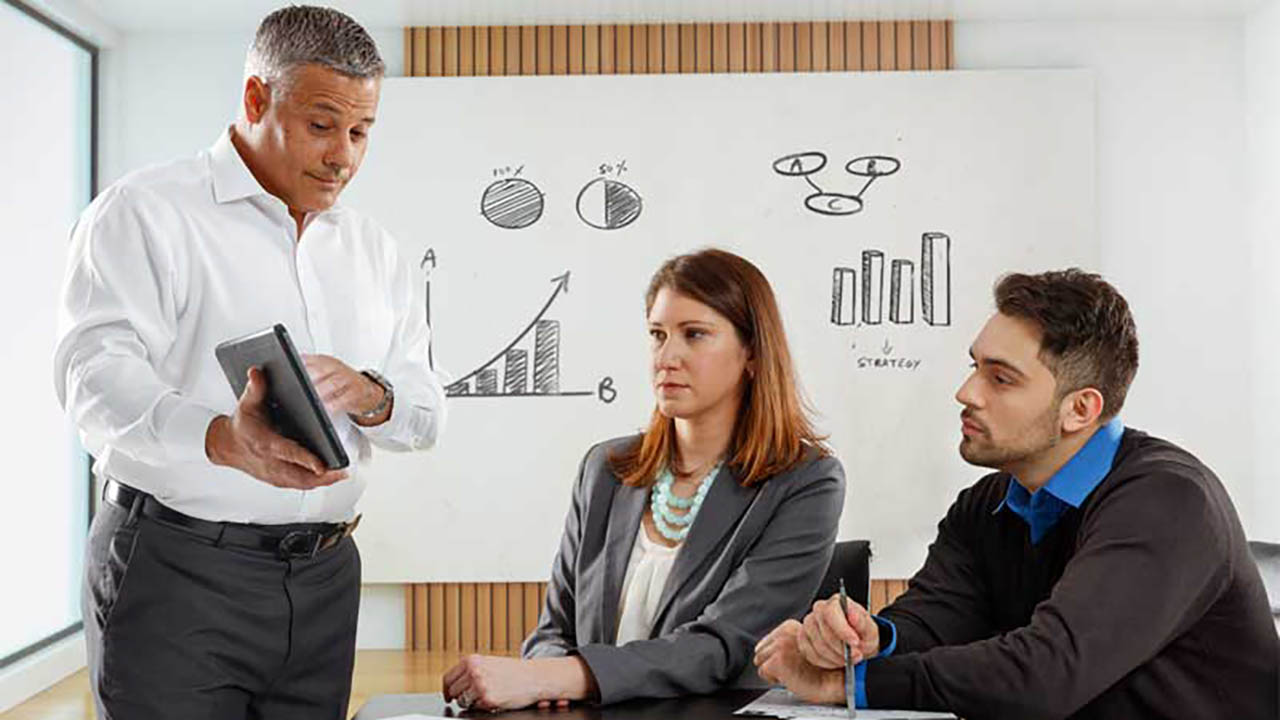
(625,512)
(725,503)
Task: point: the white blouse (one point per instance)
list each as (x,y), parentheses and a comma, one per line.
(647,572)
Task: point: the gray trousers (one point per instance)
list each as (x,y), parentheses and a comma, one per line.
(178,627)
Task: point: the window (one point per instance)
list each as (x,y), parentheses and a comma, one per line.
(47,143)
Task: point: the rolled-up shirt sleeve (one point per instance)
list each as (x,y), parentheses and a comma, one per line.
(118,311)
(418,412)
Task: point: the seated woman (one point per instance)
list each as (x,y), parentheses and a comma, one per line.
(684,545)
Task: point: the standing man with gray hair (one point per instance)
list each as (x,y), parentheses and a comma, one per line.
(220,579)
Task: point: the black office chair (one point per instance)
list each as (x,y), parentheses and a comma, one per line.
(1267,556)
(851,561)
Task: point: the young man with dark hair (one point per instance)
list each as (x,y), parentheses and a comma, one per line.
(1099,573)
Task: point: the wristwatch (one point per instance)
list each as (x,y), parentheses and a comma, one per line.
(387,395)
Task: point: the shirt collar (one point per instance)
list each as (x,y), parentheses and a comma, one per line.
(232,180)
(231,177)
(1083,472)
(1091,463)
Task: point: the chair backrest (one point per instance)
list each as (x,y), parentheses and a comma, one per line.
(851,561)
(1267,556)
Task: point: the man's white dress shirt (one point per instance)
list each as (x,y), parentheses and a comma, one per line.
(171,261)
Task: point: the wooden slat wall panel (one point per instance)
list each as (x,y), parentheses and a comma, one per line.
(578,49)
(737,47)
(436,631)
(449,55)
(835,46)
(670,51)
(419,53)
(512,42)
(467,51)
(499,616)
(528,49)
(593,47)
(483,54)
(720,48)
(408,52)
(484,617)
(871,46)
(452,617)
(559,50)
(531,608)
(679,48)
(702,48)
(640,49)
(888,46)
(622,52)
(804,47)
(819,44)
(544,63)
(421,620)
(651,49)
(489,617)
(755,55)
(515,615)
(686,48)
(903,59)
(467,618)
(786,47)
(920,44)
(497,51)
(853,46)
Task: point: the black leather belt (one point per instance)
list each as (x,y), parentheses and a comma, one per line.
(285,542)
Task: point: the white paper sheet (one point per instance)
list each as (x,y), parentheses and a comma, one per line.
(780,703)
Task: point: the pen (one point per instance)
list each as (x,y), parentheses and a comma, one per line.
(850,701)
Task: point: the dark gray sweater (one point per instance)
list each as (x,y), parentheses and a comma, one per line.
(1143,603)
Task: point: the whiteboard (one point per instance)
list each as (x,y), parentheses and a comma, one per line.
(881,206)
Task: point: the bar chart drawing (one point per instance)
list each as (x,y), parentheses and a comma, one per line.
(507,373)
(807,164)
(858,295)
(935,278)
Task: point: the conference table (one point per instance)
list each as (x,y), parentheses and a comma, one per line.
(719,706)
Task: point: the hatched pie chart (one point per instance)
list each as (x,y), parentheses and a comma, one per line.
(512,204)
(607,204)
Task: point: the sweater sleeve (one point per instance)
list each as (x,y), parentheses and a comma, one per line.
(1153,557)
(945,601)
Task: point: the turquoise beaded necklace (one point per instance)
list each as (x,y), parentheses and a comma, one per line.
(663,503)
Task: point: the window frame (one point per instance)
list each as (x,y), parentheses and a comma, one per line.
(92,49)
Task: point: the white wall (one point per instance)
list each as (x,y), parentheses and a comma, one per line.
(166,96)
(1171,201)
(1262,68)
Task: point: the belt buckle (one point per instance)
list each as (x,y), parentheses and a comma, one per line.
(298,544)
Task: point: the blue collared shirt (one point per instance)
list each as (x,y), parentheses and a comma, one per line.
(1069,486)
(1041,510)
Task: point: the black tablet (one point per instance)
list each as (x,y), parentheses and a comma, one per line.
(292,403)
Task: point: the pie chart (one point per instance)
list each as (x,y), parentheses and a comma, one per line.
(512,204)
(607,204)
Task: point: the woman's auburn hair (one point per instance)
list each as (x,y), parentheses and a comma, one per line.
(773,432)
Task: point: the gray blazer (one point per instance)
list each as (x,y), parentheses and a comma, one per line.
(753,558)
